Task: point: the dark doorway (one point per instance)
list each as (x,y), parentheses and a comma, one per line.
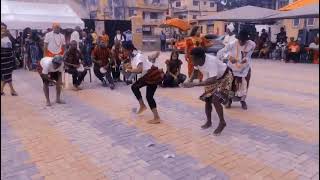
(111,26)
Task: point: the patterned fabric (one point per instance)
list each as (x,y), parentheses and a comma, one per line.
(7,64)
(153,76)
(221,88)
(102,55)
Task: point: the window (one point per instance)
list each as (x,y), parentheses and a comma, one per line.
(194,16)
(211,4)
(155,1)
(178,4)
(296,22)
(131,12)
(310,22)
(205,3)
(195,3)
(153,15)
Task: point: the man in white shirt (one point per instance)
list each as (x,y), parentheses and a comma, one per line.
(151,77)
(230,36)
(50,71)
(54,42)
(75,36)
(119,37)
(217,82)
(239,60)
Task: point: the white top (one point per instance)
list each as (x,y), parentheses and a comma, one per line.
(229,39)
(312,46)
(140,58)
(212,67)
(236,51)
(119,37)
(55,42)
(47,66)
(75,37)
(5,42)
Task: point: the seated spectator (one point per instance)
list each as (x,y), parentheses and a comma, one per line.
(264,51)
(281,49)
(173,77)
(293,50)
(314,46)
(74,66)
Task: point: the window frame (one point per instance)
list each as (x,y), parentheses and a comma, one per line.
(313,22)
(293,23)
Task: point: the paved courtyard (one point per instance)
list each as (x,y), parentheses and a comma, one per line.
(96,136)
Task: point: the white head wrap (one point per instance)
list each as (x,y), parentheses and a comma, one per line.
(230,27)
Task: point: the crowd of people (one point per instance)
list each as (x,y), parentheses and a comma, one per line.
(282,49)
(225,77)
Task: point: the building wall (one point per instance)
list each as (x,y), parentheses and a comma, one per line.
(188,10)
(292,31)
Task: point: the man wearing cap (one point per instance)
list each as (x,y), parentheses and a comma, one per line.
(217,84)
(50,70)
(73,60)
(101,57)
(151,76)
(239,54)
(230,36)
(54,42)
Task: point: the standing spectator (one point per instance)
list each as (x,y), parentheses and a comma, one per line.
(86,49)
(94,36)
(163,41)
(101,57)
(7,59)
(72,60)
(282,35)
(264,36)
(75,36)
(105,37)
(128,35)
(54,42)
(34,47)
(230,37)
(119,37)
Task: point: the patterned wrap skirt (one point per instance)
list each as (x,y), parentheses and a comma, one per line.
(221,88)
(7,64)
(153,76)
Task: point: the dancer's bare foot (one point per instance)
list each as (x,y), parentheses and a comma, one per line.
(141,109)
(206,125)
(154,121)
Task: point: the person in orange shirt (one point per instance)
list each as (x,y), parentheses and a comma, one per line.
(189,47)
(293,50)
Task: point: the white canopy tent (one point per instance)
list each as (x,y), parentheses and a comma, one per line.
(19,15)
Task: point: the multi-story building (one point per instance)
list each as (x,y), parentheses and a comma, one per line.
(153,12)
(191,9)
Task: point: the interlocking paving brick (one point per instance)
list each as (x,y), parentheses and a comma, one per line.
(109,139)
(13,159)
